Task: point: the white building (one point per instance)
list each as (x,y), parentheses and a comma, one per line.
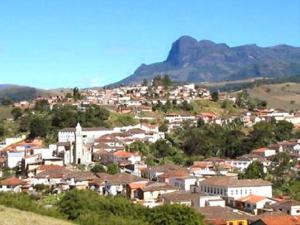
(231,188)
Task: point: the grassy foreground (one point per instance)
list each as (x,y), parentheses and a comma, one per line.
(10,216)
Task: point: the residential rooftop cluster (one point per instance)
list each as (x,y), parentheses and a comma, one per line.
(213,186)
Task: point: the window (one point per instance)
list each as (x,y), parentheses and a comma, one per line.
(236,191)
(241,192)
(230,223)
(240,223)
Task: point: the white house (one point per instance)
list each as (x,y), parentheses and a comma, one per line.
(231,188)
(252,203)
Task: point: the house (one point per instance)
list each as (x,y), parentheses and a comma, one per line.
(232,188)
(11,184)
(192,199)
(79,179)
(121,156)
(290,207)
(264,152)
(106,184)
(50,177)
(154,171)
(132,187)
(217,215)
(184,182)
(252,203)
(152,191)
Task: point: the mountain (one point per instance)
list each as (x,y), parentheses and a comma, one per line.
(190,60)
(19,93)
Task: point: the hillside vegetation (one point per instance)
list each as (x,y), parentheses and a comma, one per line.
(283,96)
(10,216)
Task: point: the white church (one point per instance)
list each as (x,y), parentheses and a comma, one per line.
(76,144)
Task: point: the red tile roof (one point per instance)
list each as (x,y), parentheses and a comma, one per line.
(280,220)
(252,198)
(12,181)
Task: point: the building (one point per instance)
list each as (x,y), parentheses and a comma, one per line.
(11,184)
(279,219)
(232,188)
(290,207)
(252,203)
(192,199)
(217,215)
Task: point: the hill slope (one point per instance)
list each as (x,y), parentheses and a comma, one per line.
(284,96)
(190,60)
(10,216)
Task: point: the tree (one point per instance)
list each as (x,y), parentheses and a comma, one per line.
(163,127)
(186,106)
(98,168)
(161,149)
(215,96)
(69,95)
(156,81)
(166,81)
(2,130)
(112,169)
(254,171)
(200,122)
(6,102)
(145,82)
(42,105)
(139,146)
(174,215)
(262,134)
(76,94)
(283,130)
(39,127)
(16,113)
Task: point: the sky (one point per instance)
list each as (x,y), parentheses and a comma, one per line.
(86,43)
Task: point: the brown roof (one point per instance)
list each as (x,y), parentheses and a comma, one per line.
(179,196)
(157,186)
(119,178)
(212,213)
(80,176)
(182,172)
(50,167)
(234,182)
(57,173)
(12,181)
(287,203)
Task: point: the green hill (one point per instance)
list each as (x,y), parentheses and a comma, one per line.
(19,93)
(10,216)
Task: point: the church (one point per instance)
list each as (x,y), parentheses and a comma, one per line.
(79,141)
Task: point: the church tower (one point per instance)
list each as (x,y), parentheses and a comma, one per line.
(78,145)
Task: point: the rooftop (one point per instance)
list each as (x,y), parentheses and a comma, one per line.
(234,182)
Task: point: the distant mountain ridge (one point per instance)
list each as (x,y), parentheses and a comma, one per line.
(19,93)
(190,60)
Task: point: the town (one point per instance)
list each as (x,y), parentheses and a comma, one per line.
(231,158)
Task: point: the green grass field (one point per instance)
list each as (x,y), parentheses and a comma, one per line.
(10,216)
